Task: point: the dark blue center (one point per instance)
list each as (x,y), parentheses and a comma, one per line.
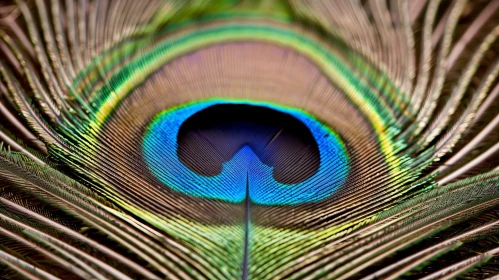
(286,156)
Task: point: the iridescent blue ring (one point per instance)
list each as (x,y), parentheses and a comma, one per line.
(244,174)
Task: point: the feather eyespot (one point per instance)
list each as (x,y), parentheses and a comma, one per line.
(246,156)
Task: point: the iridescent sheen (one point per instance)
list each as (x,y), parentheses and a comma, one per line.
(160,146)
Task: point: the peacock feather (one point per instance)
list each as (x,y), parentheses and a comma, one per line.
(249,139)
